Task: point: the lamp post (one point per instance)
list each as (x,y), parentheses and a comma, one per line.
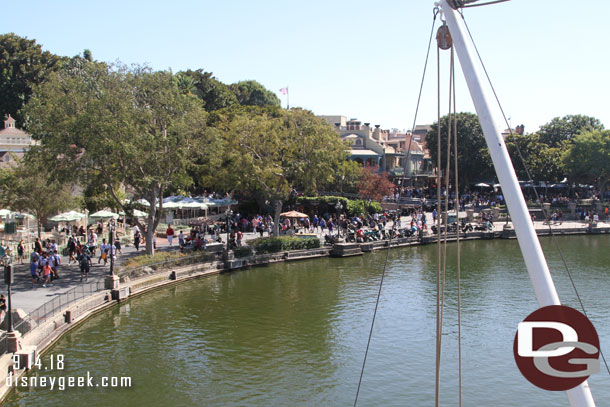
(111,282)
(229,213)
(338,207)
(13,343)
(8,279)
(111,229)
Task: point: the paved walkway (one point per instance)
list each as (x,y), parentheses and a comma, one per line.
(29,298)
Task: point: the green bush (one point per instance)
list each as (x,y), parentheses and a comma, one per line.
(284,243)
(243,251)
(328,200)
(360,207)
(162,260)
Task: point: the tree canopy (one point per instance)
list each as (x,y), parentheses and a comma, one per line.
(269,151)
(374,186)
(130,126)
(252,93)
(543,162)
(215,94)
(566,128)
(23,65)
(474,162)
(588,159)
(28,187)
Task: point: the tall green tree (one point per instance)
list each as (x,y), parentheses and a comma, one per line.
(215,94)
(252,93)
(23,65)
(474,162)
(566,128)
(588,158)
(132,127)
(28,187)
(542,161)
(269,151)
(346,178)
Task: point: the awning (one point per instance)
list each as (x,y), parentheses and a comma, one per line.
(293,214)
(70,216)
(104,214)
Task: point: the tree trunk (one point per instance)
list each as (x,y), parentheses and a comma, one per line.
(150,227)
(39,227)
(150,231)
(277,209)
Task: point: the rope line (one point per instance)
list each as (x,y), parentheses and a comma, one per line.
(421,87)
(484,4)
(438,234)
(368,343)
(545,214)
(446,202)
(459,247)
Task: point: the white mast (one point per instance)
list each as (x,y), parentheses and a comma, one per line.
(489,116)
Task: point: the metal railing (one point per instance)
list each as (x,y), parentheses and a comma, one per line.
(53,307)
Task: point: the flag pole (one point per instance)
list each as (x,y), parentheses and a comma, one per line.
(287,98)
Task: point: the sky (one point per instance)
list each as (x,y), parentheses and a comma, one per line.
(359,59)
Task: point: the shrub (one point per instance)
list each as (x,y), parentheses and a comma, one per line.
(243,251)
(162,260)
(284,243)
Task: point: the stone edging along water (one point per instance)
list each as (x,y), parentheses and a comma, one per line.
(41,338)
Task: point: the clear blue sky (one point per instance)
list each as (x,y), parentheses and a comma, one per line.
(360,59)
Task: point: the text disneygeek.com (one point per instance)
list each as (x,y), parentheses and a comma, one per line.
(66,382)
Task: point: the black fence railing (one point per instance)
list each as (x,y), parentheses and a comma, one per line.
(51,308)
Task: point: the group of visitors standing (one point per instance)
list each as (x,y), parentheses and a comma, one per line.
(44,262)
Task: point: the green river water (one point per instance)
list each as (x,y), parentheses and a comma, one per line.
(294,334)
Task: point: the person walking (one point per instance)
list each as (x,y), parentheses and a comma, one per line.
(34,260)
(2,307)
(104,249)
(170,235)
(54,263)
(46,274)
(83,261)
(181,240)
(20,251)
(38,246)
(136,240)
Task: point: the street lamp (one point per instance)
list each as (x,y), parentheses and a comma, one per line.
(8,279)
(338,207)
(229,213)
(111,229)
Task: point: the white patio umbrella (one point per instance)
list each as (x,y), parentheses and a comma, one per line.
(104,214)
(136,213)
(70,216)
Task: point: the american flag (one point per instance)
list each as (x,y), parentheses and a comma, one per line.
(284,91)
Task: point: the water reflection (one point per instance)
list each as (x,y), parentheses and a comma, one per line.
(295,333)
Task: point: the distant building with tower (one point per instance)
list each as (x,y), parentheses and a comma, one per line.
(13,142)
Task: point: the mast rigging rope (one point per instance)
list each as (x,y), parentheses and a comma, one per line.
(421,86)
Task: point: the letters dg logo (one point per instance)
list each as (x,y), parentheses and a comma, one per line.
(556,348)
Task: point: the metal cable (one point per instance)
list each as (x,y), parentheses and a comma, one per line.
(485,4)
(438,233)
(553,237)
(368,343)
(421,87)
(446,202)
(459,247)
